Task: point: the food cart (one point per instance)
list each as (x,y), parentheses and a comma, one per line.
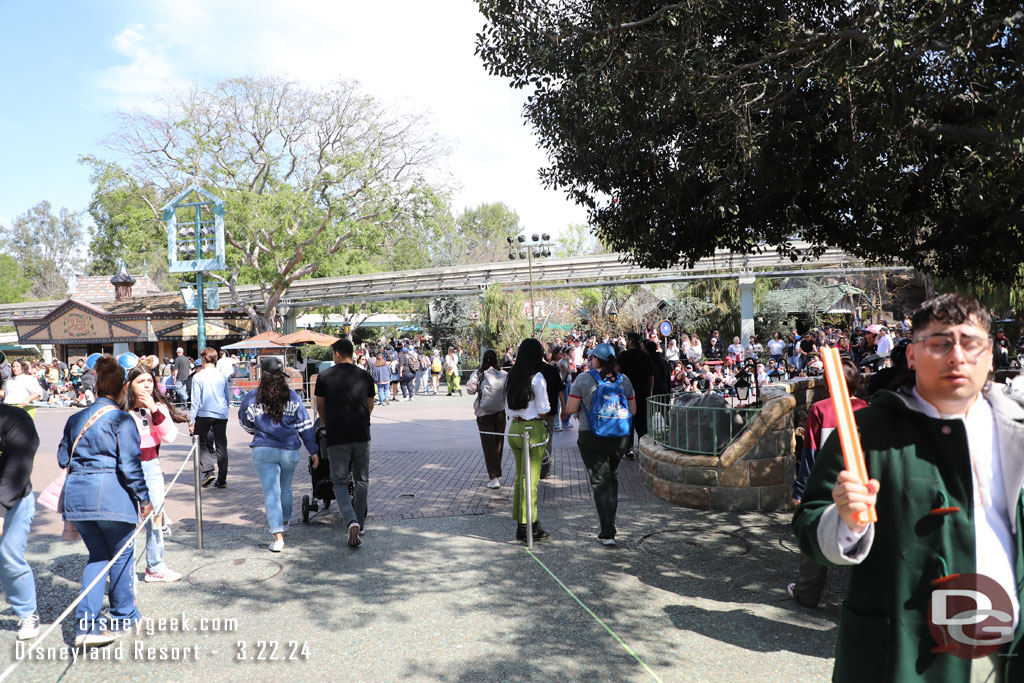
(247,373)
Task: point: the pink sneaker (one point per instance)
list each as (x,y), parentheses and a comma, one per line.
(164,575)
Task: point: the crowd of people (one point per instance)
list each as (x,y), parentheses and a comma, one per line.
(935,369)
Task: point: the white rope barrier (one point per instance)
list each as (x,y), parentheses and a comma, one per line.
(102,575)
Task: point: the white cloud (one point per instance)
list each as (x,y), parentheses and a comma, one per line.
(149,72)
(416,54)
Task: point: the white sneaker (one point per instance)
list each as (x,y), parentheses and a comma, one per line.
(28,628)
(93,640)
(353,534)
(494,484)
(277,546)
(607,541)
(164,575)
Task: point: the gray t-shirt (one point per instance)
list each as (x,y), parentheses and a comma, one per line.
(583,388)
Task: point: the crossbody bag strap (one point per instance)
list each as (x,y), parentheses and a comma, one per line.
(92,420)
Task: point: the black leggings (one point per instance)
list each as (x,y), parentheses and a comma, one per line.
(407,391)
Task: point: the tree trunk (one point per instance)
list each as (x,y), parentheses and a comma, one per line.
(929,285)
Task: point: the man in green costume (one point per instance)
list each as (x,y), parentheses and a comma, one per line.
(935,585)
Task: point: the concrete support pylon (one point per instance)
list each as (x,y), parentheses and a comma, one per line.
(746,307)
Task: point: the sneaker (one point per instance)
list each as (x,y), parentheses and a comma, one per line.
(87,640)
(277,546)
(353,535)
(558,426)
(494,484)
(208,478)
(220,485)
(28,628)
(630,455)
(164,575)
(539,533)
(362,531)
(790,589)
(520,532)
(610,542)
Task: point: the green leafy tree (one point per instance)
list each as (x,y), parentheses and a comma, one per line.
(49,248)
(503,320)
(312,179)
(124,227)
(577,240)
(481,234)
(890,130)
(14,286)
(450,321)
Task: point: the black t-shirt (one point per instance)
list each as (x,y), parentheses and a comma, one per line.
(553,378)
(662,374)
(807,345)
(182,368)
(637,366)
(346,416)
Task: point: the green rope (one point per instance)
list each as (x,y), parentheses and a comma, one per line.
(596,618)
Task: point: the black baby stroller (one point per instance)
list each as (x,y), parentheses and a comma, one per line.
(320,476)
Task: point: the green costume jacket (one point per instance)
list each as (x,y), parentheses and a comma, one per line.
(921,463)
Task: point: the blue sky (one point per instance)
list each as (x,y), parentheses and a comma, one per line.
(68,66)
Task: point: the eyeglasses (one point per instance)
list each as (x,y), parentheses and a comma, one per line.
(940,345)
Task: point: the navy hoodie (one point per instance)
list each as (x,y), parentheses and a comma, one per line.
(295,422)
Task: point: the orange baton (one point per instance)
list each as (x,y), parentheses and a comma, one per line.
(849,437)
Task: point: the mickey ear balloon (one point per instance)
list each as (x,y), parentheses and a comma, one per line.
(3,358)
(90,362)
(128,360)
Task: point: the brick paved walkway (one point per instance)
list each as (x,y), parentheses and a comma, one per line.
(405,482)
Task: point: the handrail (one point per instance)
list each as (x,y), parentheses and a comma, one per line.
(685,428)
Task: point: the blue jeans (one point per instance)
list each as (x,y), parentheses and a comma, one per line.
(154,533)
(15,573)
(382,393)
(103,539)
(275,467)
(354,457)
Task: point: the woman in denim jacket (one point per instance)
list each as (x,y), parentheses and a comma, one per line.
(103,495)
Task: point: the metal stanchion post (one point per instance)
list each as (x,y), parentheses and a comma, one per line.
(528,466)
(199,494)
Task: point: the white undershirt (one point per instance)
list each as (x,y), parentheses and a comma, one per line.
(993,540)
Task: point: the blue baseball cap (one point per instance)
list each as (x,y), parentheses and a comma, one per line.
(603,351)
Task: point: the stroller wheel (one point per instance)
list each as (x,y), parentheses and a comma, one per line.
(305,509)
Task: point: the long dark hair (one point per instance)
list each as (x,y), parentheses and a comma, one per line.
(273,394)
(518,389)
(488,361)
(130,399)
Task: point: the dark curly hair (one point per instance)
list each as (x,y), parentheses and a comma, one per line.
(273,394)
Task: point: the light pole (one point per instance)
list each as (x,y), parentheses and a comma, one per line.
(195,244)
(539,246)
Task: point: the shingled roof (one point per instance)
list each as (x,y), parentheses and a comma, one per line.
(99,288)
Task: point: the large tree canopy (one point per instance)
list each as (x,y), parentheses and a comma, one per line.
(311,178)
(49,250)
(892,130)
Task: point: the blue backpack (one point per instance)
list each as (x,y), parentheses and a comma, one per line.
(609,410)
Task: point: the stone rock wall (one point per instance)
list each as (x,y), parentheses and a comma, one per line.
(754,472)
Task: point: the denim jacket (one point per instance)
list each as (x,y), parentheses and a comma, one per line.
(106,480)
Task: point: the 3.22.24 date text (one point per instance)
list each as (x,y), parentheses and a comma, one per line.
(272,651)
